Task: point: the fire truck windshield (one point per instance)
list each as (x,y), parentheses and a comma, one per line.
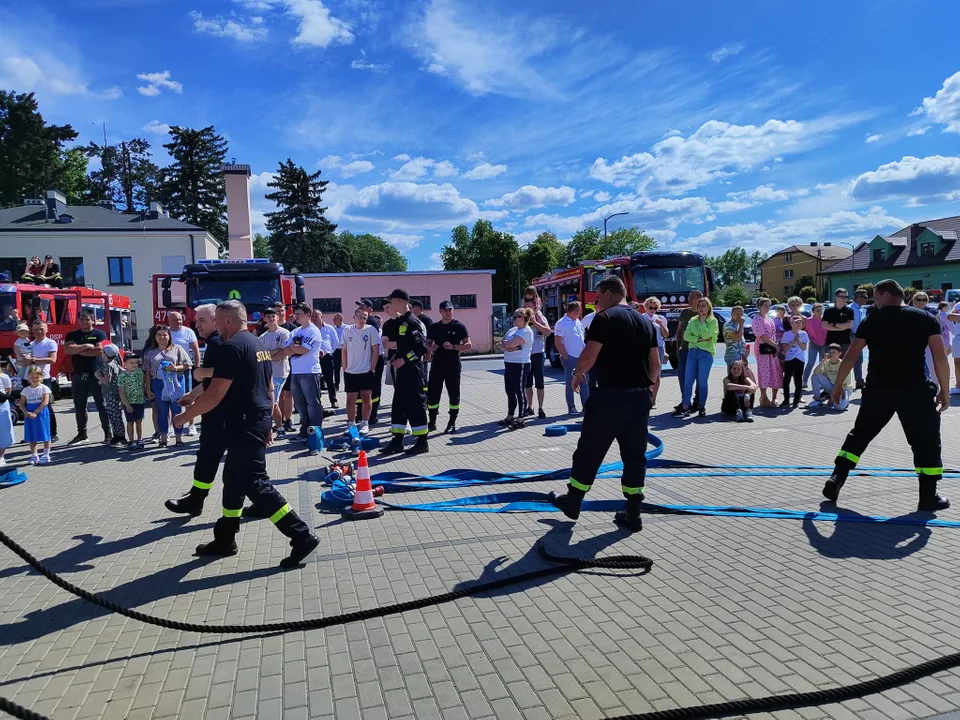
(255,293)
(649,281)
(8,309)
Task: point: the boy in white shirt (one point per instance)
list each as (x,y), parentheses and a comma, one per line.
(361,351)
(568,336)
(305,347)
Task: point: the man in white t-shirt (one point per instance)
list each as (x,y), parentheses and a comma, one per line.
(568,336)
(274,340)
(361,352)
(186,338)
(953,317)
(329,333)
(305,347)
(43,353)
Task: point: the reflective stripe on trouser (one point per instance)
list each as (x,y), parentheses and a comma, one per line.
(444,373)
(409,400)
(916,409)
(245,475)
(613,415)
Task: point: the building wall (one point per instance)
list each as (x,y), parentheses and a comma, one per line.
(439,286)
(931,277)
(147,252)
(772,271)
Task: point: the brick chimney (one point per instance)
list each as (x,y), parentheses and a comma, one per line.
(239,227)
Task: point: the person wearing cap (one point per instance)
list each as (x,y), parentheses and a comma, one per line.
(447,339)
(51,273)
(43,354)
(108,375)
(21,351)
(405,338)
(367,304)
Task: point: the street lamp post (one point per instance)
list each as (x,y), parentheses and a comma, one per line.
(853,265)
(607,218)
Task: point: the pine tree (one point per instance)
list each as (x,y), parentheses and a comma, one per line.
(127,176)
(30,150)
(301,237)
(192,187)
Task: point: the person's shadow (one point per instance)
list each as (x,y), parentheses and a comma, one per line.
(868,540)
(557,542)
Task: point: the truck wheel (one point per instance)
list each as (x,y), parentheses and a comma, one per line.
(554,357)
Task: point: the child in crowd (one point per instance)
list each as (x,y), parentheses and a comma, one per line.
(21,350)
(130,388)
(739,389)
(361,349)
(793,344)
(108,373)
(825,377)
(36,425)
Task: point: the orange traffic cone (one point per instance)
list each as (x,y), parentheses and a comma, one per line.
(364,506)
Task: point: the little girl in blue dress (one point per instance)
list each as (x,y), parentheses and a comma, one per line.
(35,401)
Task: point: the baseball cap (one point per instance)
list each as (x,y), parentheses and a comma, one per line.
(270,310)
(367,302)
(399,294)
(23,326)
(416,303)
(48,257)
(446,305)
(111,350)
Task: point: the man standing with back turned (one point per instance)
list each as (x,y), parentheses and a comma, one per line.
(621,353)
(242,386)
(898,338)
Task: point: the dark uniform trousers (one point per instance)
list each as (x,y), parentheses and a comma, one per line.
(612,414)
(917,411)
(409,401)
(213,444)
(326,369)
(377,389)
(444,372)
(245,475)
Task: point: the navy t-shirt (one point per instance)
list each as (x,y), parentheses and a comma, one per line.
(244,361)
(897,337)
(454,332)
(626,337)
(81,363)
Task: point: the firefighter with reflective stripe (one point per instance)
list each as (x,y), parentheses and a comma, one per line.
(447,339)
(897,383)
(242,388)
(405,338)
(622,354)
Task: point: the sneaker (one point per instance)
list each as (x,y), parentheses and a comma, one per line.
(333,404)
(694,405)
(190,431)
(45,459)
(508,420)
(141,444)
(785,404)
(54,438)
(542,415)
(528,412)
(280,434)
(749,416)
(116,441)
(288,425)
(364,428)
(3,463)
(518,424)
(78,438)
(329,413)
(34,459)
(299,549)
(739,415)
(702,412)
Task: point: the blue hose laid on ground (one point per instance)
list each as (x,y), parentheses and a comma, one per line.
(11,477)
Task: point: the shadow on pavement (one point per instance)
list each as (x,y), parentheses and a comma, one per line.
(868,541)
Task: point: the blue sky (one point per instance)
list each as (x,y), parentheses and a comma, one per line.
(741,124)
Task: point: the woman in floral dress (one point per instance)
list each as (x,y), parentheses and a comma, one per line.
(769,372)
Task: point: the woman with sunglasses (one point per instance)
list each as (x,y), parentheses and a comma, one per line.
(517,345)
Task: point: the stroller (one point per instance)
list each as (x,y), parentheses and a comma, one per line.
(15,390)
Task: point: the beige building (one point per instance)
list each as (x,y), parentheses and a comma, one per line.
(101,248)
(779,272)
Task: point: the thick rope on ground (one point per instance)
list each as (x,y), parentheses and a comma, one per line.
(19,711)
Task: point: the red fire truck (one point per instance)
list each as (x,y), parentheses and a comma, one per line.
(667,275)
(59,308)
(256,282)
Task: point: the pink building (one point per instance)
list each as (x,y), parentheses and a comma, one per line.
(470,291)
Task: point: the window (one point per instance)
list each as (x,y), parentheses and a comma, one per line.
(464,302)
(13,268)
(878,255)
(424,300)
(928,249)
(328,305)
(121,270)
(788,274)
(787,290)
(788,258)
(71,270)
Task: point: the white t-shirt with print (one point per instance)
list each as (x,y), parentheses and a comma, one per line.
(795,352)
(32,394)
(312,339)
(572,333)
(357,344)
(42,349)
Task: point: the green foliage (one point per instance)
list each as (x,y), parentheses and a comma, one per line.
(370,253)
(541,256)
(730,268)
(74,182)
(756,258)
(30,149)
(868,287)
(735,294)
(589,244)
(803,283)
(484,248)
(261,246)
(300,234)
(127,176)
(774,301)
(192,188)
(807,292)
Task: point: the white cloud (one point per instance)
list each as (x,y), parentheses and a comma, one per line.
(357,167)
(393,206)
(318,28)
(944,107)
(402,157)
(919,131)
(364,64)
(872,138)
(770,236)
(602,196)
(644,212)
(531,196)
(156,127)
(757,196)
(922,180)
(436,262)
(220,27)
(44,66)
(330,161)
(722,53)
(413,169)
(156,82)
(401,241)
(485,171)
(445,168)
(716,150)
(587,193)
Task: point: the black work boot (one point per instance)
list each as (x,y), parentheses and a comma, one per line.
(929,500)
(190,504)
(394,446)
(569,502)
(299,549)
(419,447)
(219,546)
(630,518)
(452,423)
(432,424)
(831,489)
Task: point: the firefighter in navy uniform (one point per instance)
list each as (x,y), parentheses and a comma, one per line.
(405,337)
(896,383)
(447,338)
(242,387)
(621,353)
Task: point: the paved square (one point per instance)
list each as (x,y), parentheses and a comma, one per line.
(733,607)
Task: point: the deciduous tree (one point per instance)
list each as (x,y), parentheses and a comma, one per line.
(127,176)
(370,253)
(484,248)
